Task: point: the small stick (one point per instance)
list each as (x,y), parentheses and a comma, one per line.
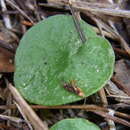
(6,17)
(103,97)
(28,111)
(20,10)
(11,118)
(82,107)
(123,115)
(110,122)
(116,35)
(99,26)
(77,24)
(23,115)
(82,6)
(116,119)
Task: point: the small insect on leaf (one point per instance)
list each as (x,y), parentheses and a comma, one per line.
(72,87)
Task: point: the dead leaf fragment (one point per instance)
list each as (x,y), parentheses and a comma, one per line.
(122,75)
(6,61)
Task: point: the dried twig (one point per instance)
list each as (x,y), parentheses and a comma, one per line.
(105,33)
(102,95)
(114,33)
(83,107)
(120,114)
(6,17)
(20,10)
(99,27)
(93,11)
(116,119)
(82,6)
(60,6)
(11,118)
(22,113)
(119,105)
(28,111)
(111,123)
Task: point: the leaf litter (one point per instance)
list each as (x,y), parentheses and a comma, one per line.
(25,14)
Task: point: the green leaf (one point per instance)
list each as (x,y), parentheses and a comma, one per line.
(75,124)
(51,56)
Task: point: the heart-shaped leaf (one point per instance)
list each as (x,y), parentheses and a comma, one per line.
(75,124)
(54,67)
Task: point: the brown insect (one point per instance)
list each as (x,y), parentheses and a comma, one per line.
(72,87)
